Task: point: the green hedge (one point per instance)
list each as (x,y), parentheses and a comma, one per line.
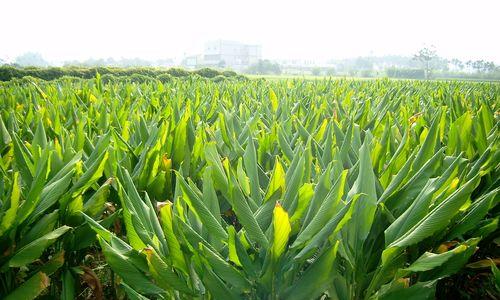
(8,72)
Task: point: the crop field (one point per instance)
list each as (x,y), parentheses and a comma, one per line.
(193,188)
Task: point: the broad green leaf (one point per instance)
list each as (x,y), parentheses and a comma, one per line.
(420,290)
(68,286)
(9,218)
(325,213)
(316,277)
(251,166)
(95,205)
(164,275)
(33,250)
(364,211)
(31,288)
(132,294)
(224,270)
(174,247)
(128,271)
(197,204)
(435,220)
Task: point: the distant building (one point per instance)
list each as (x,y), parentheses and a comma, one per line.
(235,55)
(193,61)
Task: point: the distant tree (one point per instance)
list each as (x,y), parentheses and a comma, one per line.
(440,63)
(363,63)
(477,65)
(221,64)
(457,63)
(468,65)
(264,67)
(31,59)
(482,66)
(425,56)
(330,72)
(489,67)
(316,71)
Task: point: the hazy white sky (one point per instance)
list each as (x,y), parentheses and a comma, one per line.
(75,29)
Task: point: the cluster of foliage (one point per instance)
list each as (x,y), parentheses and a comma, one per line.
(263,190)
(264,67)
(426,63)
(405,73)
(394,72)
(479,66)
(9,72)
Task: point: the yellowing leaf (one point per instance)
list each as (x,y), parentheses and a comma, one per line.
(282,228)
(243,180)
(321,131)
(306,193)
(233,255)
(277,180)
(273,99)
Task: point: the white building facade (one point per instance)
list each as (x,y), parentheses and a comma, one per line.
(235,55)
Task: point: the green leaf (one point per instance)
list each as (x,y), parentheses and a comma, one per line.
(55,262)
(174,247)
(325,213)
(164,275)
(245,215)
(131,293)
(31,288)
(40,139)
(217,288)
(224,270)
(496,275)
(427,149)
(251,166)
(9,219)
(197,204)
(23,161)
(51,193)
(331,228)
(475,213)
(316,278)
(35,192)
(68,286)
(213,159)
(96,203)
(128,271)
(33,250)
(4,134)
(435,220)
(429,261)
(364,210)
(91,175)
(418,291)
(45,225)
